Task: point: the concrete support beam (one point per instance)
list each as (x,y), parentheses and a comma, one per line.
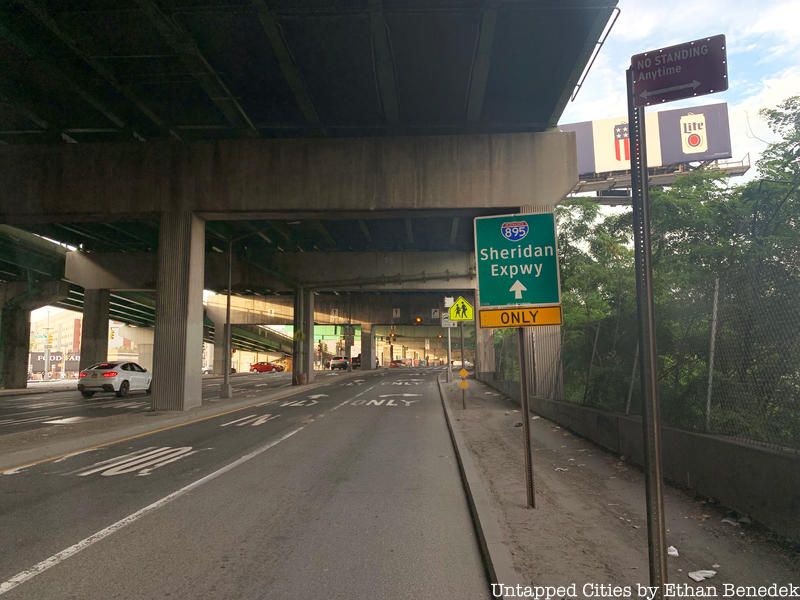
(384,271)
(219,348)
(367,348)
(94,327)
(15,331)
(252,177)
(484,351)
(177,352)
(17,300)
(303,354)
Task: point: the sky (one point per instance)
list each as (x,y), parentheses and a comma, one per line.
(763,47)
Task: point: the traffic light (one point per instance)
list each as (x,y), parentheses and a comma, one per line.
(418,320)
(113,333)
(49,339)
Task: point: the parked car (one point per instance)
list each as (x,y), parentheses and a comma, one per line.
(117,377)
(355,362)
(265,367)
(396,363)
(339,362)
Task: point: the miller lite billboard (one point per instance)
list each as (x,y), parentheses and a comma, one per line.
(674,137)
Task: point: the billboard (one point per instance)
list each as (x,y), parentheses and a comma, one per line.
(682,135)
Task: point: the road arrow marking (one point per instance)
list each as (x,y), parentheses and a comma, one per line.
(315,396)
(675,88)
(517,288)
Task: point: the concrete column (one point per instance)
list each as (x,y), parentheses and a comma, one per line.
(178,343)
(297,346)
(94,327)
(219,348)
(308,337)
(17,300)
(15,332)
(367,348)
(303,346)
(484,352)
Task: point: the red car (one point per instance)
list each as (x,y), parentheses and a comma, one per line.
(265,367)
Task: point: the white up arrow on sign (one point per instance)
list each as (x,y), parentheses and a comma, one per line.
(518,288)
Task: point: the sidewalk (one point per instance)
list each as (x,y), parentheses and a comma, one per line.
(41,387)
(48,443)
(589,525)
(60,385)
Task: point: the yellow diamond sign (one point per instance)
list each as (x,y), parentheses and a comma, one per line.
(463,384)
(462,310)
(463,373)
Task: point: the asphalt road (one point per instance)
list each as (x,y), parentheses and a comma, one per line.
(31,411)
(349,490)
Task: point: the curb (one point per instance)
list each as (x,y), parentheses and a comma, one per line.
(495,553)
(38,454)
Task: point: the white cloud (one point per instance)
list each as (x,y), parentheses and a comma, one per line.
(763,48)
(749,131)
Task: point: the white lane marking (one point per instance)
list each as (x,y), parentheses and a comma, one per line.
(261,384)
(144,461)
(315,396)
(299,403)
(11,422)
(386,400)
(60,557)
(254,420)
(341,404)
(66,420)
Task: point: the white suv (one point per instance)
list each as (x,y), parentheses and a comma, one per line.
(117,377)
(340,362)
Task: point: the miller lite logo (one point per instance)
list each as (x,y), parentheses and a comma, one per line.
(694,138)
(514,231)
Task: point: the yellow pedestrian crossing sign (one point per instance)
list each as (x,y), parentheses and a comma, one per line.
(462,310)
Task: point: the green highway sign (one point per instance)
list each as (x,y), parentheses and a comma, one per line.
(517,261)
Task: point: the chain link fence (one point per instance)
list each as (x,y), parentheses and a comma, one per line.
(728,360)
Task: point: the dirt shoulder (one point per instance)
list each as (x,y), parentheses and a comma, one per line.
(589,525)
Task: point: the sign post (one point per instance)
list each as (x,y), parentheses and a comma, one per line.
(682,71)
(461,311)
(449,358)
(518,286)
(448,324)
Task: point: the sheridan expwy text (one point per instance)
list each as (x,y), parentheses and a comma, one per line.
(512,271)
(528,251)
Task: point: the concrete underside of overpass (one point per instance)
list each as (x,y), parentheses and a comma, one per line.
(293,257)
(345,181)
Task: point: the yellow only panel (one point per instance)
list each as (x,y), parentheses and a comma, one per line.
(520,316)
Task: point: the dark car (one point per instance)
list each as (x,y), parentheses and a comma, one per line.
(355,362)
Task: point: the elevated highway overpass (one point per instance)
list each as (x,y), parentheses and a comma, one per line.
(333,149)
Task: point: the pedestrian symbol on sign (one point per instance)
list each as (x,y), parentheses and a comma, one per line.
(462,310)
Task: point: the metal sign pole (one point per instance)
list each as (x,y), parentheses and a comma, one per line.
(526,418)
(651,414)
(449,357)
(463,366)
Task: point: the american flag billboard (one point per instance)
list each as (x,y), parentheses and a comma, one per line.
(622,142)
(683,135)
